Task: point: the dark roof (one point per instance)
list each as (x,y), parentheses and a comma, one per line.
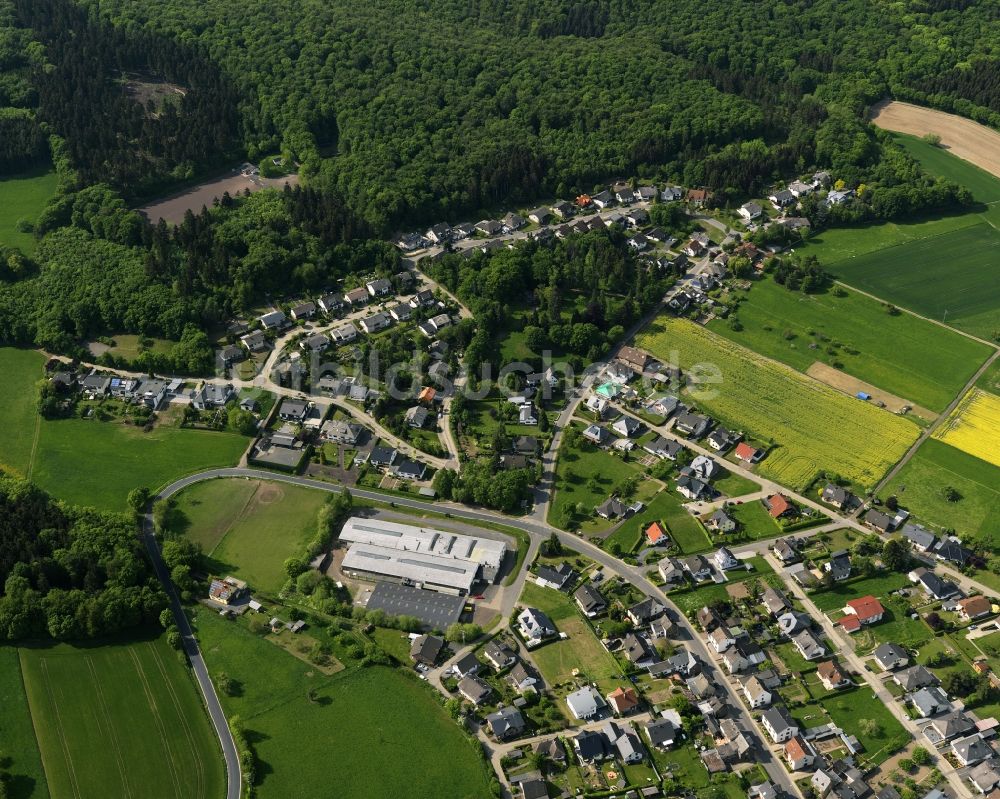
(434,609)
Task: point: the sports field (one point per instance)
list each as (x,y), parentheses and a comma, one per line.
(813,426)
(360,733)
(952,277)
(24,767)
(121,720)
(249,527)
(920,487)
(23,197)
(974,426)
(906,356)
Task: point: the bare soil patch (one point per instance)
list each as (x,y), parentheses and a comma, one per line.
(976,143)
(172,209)
(851,385)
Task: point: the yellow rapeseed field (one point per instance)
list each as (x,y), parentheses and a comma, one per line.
(974,426)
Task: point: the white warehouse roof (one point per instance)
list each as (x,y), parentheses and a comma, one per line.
(427,569)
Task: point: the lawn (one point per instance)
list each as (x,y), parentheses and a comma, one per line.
(693,599)
(556,660)
(939,162)
(371,732)
(127,345)
(815,427)
(734,485)
(87,462)
(121,719)
(18,415)
(974,426)
(846,709)
(920,487)
(23,197)
(903,355)
(755,522)
(878,586)
(896,627)
(585,475)
(249,527)
(910,275)
(685,530)
(20,747)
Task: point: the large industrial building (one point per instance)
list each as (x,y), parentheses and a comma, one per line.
(421,556)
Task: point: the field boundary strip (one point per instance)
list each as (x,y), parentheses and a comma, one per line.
(105,720)
(189,736)
(43,668)
(160,728)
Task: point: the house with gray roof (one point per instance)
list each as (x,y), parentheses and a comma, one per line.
(779,724)
(934,586)
(914,678)
(809,645)
(891,656)
(930,701)
(506,723)
(474,690)
(920,537)
(971,749)
(662,733)
(952,724)
(590,600)
(586,703)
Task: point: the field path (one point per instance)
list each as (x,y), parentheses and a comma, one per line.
(976,143)
(929,431)
(852,385)
(34,447)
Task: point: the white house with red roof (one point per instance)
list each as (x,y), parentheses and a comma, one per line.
(861,612)
(748,454)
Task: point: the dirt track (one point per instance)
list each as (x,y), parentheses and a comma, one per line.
(172,209)
(851,385)
(975,143)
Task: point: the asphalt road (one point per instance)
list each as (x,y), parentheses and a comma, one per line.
(234,775)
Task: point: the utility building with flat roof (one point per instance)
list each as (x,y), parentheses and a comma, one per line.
(433,559)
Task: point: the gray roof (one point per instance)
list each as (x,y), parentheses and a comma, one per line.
(971,749)
(888,654)
(506,721)
(590,599)
(914,677)
(918,536)
(778,718)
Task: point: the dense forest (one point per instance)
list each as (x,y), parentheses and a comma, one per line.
(69,573)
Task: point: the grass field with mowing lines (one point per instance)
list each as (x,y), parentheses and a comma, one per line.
(921,482)
(974,426)
(365,732)
(815,427)
(18,415)
(121,720)
(249,527)
(23,197)
(952,277)
(901,354)
(27,779)
(838,595)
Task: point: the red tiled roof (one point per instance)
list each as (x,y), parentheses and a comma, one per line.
(850,624)
(745,452)
(623,699)
(777,505)
(866,607)
(655,533)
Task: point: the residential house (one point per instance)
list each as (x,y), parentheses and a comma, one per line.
(724,559)
(839,565)
(781,199)
(623,701)
(489,227)
(512,222)
(779,506)
(585,703)
(672,194)
(499,655)
(662,733)
(757,691)
(627,426)
(663,405)
(375,322)
(656,535)
(634,358)
(891,656)
(930,701)
(971,749)
(626,744)
(227,591)
(151,392)
(230,354)
(708,618)
(837,496)
(293,410)
(861,612)
(748,454)
(273,320)
(703,467)
(466,666)
(590,600)
(410,470)
(474,690)
(698,197)
(750,211)
(416,417)
(590,746)
(382,456)
(612,508)
(304,310)
(624,195)
(425,649)
(879,521)
(401,312)
(506,723)
(211,395)
(720,639)
(671,571)
(698,567)
(520,679)
(774,601)
(792,622)
(809,646)
(96,385)
(721,522)
(831,676)
(720,439)
(358,296)
(692,425)
(799,753)
(779,724)
(913,678)
(540,216)
(953,552)
(784,549)
(839,196)
(331,303)
(952,725)
(534,626)
(526,415)
(691,487)
(974,607)
(645,611)
(554,577)
(597,405)
(935,587)
(344,334)
(317,342)
(439,234)
(421,299)
(986,776)
(664,448)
